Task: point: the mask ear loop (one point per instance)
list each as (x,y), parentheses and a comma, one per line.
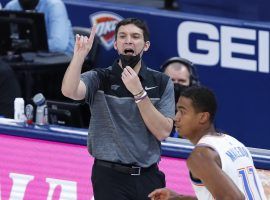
(141,51)
(142,48)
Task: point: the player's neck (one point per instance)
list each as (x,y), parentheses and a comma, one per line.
(209,130)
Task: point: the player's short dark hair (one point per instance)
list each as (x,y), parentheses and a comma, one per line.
(203,99)
(137,22)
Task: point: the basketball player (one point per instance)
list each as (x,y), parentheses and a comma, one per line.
(220,166)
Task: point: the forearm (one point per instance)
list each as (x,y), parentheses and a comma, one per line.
(71,78)
(176,196)
(180,197)
(159,125)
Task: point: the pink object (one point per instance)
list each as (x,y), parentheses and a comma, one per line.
(177,175)
(39,169)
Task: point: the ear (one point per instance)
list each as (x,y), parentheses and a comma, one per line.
(204,117)
(115,45)
(146,46)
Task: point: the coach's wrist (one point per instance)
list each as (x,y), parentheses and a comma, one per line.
(141,97)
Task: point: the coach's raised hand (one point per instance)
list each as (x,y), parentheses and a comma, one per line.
(72,86)
(83,44)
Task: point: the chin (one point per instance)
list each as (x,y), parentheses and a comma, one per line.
(177,129)
(182,134)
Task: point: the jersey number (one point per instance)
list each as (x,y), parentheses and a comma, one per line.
(250,182)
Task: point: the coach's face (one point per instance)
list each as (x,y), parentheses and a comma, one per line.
(130,40)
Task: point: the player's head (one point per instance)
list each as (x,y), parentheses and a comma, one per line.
(196,108)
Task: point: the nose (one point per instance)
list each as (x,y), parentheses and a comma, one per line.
(128,40)
(177,117)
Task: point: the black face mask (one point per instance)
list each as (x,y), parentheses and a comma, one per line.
(28,4)
(178,89)
(129,60)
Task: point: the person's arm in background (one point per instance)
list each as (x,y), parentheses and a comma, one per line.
(58,27)
(159,125)
(12,5)
(72,86)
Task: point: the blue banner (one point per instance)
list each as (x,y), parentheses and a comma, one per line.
(232,58)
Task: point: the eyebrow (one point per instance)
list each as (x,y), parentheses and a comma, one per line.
(183,79)
(134,33)
(181,107)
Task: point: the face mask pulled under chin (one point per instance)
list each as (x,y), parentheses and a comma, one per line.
(28,4)
(129,60)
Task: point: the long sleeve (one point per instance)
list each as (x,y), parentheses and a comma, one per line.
(13,5)
(60,35)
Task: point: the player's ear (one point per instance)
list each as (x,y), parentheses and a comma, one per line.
(204,117)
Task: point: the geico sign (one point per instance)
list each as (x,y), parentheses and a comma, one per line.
(234,47)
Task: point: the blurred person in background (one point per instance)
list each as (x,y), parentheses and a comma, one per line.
(183,74)
(59,29)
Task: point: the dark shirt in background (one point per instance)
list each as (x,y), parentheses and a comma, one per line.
(9,90)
